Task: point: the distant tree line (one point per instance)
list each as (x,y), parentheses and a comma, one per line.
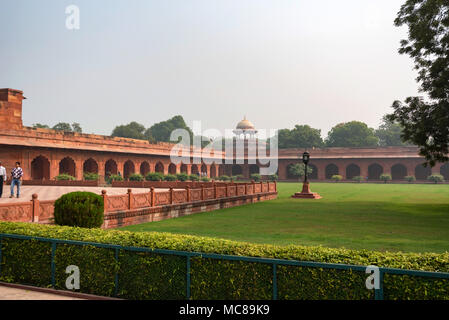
(61,126)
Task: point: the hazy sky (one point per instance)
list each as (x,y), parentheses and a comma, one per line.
(279,62)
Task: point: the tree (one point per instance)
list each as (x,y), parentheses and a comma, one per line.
(63,126)
(352,134)
(389,133)
(298,169)
(426,121)
(301,136)
(131,130)
(161,131)
(42,126)
(76,127)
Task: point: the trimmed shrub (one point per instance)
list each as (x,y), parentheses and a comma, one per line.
(114,177)
(90,176)
(65,177)
(256,177)
(182,176)
(410,178)
(170,177)
(273,177)
(224,178)
(79,209)
(154,176)
(205,179)
(436,178)
(358,178)
(28,262)
(337,177)
(194,177)
(136,177)
(385,177)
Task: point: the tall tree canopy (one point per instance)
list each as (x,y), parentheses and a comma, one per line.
(161,131)
(301,136)
(389,134)
(66,127)
(132,130)
(426,121)
(352,134)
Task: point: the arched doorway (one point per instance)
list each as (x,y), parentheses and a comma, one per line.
(331,170)
(144,168)
(159,167)
(237,169)
(398,172)
(204,170)
(40,168)
(352,171)
(194,169)
(213,171)
(128,169)
(183,168)
(421,172)
(314,173)
(254,168)
(110,167)
(220,171)
(172,168)
(374,171)
(67,166)
(444,171)
(90,166)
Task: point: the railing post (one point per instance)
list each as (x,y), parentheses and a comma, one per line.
(171,195)
(253,183)
(188,193)
(215,191)
(261,186)
(153,196)
(130,199)
(202,192)
(246,188)
(275,186)
(105,200)
(35,205)
(227,190)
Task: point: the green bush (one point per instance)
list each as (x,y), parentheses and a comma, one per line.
(385,177)
(205,179)
(136,177)
(65,177)
(79,209)
(170,177)
(256,177)
(436,178)
(28,262)
(358,178)
(182,176)
(224,178)
(273,177)
(194,177)
(410,178)
(337,177)
(114,177)
(90,176)
(154,176)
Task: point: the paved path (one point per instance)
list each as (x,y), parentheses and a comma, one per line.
(53,193)
(7,293)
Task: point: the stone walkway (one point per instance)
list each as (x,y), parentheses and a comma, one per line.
(53,193)
(7,293)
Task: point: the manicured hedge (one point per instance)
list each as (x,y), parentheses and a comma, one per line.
(156,276)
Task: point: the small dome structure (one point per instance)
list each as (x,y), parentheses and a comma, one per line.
(245,127)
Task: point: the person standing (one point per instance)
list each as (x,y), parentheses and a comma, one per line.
(2,178)
(16,176)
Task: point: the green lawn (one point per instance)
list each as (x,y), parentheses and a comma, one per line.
(393,217)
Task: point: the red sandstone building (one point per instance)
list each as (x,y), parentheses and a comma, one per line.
(46,153)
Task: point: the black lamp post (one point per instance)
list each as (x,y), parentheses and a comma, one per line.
(305,160)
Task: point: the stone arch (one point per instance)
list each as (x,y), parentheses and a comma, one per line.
(172,168)
(374,171)
(314,174)
(221,171)
(144,168)
(444,171)
(194,169)
(67,166)
(90,166)
(110,167)
(213,171)
(331,170)
(40,168)
(421,172)
(159,167)
(352,171)
(128,169)
(398,171)
(204,169)
(237,169)
(254,168)
(183,168)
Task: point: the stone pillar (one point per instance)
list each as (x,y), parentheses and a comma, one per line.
(105,200)
(79,170)
(35,201)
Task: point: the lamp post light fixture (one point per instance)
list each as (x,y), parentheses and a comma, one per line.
(306,193)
